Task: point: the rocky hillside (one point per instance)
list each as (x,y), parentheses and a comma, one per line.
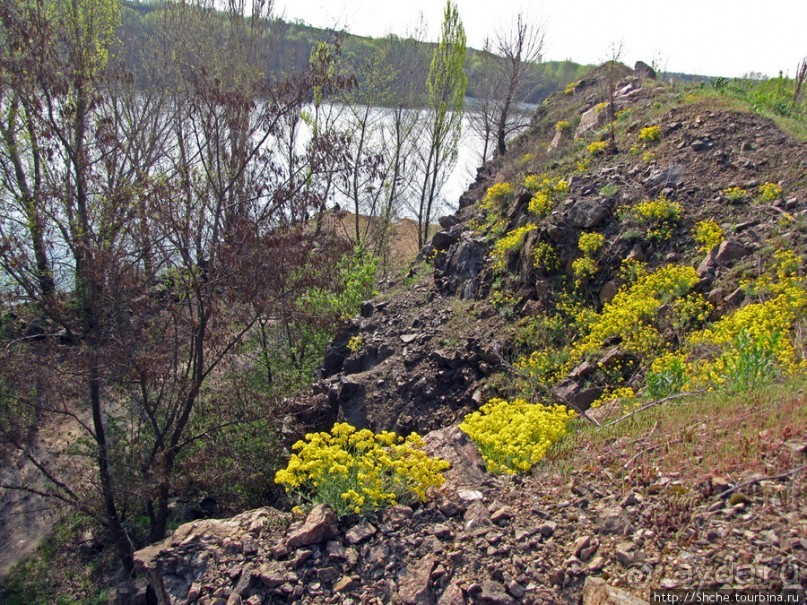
(529,291)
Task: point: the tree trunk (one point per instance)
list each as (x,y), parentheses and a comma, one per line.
(120,538)
(501,127)
(29,199)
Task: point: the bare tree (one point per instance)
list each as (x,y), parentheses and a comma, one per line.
(483,112)
(612,68)
(801,75)
(158,231)
(520,48)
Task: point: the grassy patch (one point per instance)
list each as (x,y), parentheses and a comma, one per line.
(712,433)
(63,571)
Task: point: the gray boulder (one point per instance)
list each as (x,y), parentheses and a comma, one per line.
(585,214)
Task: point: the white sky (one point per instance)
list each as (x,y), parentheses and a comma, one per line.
(710,37)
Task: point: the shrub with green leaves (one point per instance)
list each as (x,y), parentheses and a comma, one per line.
(667,375)
(610,190)
(755,361)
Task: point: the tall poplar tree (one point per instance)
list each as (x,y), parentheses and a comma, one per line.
(446,84)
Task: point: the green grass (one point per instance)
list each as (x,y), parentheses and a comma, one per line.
(58,573)
(794,125)
(712,433)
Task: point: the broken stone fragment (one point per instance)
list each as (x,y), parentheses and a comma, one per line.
(345,584)
(360,532)
(494,593)
(452,595)
(414,585)
(597,592)
(477,516)
(272,574)
(320,525)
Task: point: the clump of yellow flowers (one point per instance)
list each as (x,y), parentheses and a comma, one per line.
(590,243)
(546,192)
(708,234)
(650,134)
(597,147)
(660,215)
(633,313)
(358,471)
(585,267)
(509,243)
(768,323)
(497,194)
(514,435)
(746,346)
(769,192)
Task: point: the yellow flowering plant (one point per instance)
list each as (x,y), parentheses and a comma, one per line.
(735,194)
(546,192)
(544,366)
(745,347)
(584,268)
(624,394)
(650,134)
(545,257)
(590,243)
(597,147)
(708,234)
(660,215)
(631,270)
(497,194)
(355,343)
(512,436)
(633,313)
(769,192)
(358,471)
(509,243)
(494,204)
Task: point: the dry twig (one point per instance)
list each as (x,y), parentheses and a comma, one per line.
(731,490)
(652,404)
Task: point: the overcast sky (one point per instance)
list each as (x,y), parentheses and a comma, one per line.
(709,37)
